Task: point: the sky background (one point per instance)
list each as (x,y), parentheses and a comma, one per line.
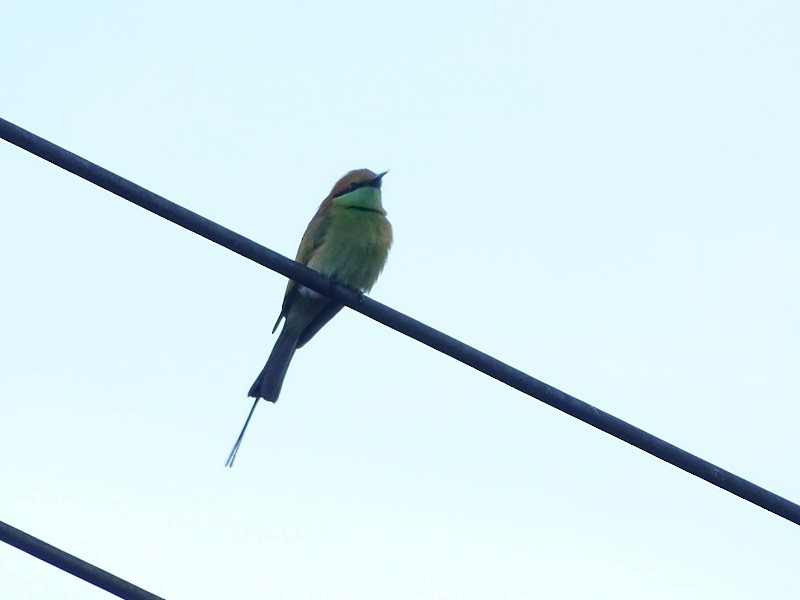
(604,195)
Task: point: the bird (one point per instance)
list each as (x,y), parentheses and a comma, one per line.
(348,240)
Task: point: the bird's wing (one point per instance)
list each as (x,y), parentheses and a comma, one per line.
(315,234)
(313,238)
(325,315)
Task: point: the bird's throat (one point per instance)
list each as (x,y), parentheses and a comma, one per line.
(366,198)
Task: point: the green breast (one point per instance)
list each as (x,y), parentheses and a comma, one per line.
(356,247)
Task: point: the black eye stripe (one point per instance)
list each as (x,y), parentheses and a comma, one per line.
(352,187)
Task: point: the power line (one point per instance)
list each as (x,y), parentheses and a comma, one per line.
(72,564)
(402,323)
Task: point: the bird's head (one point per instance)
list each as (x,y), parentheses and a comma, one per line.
(359,189)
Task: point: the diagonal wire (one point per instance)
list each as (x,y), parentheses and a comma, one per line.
(402,323)
(73,564)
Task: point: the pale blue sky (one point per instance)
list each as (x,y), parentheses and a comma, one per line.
(604,195)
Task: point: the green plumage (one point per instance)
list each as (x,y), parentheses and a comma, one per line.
(355,246)
(348,239)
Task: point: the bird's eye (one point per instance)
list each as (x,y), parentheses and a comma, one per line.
(352,186)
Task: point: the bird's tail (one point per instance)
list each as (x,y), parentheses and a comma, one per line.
(269,382)
(235,450)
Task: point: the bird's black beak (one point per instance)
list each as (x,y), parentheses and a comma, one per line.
(376,181)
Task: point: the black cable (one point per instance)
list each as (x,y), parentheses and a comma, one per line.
(72,564)
(402,323)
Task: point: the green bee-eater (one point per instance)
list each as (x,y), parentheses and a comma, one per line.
(348,240)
